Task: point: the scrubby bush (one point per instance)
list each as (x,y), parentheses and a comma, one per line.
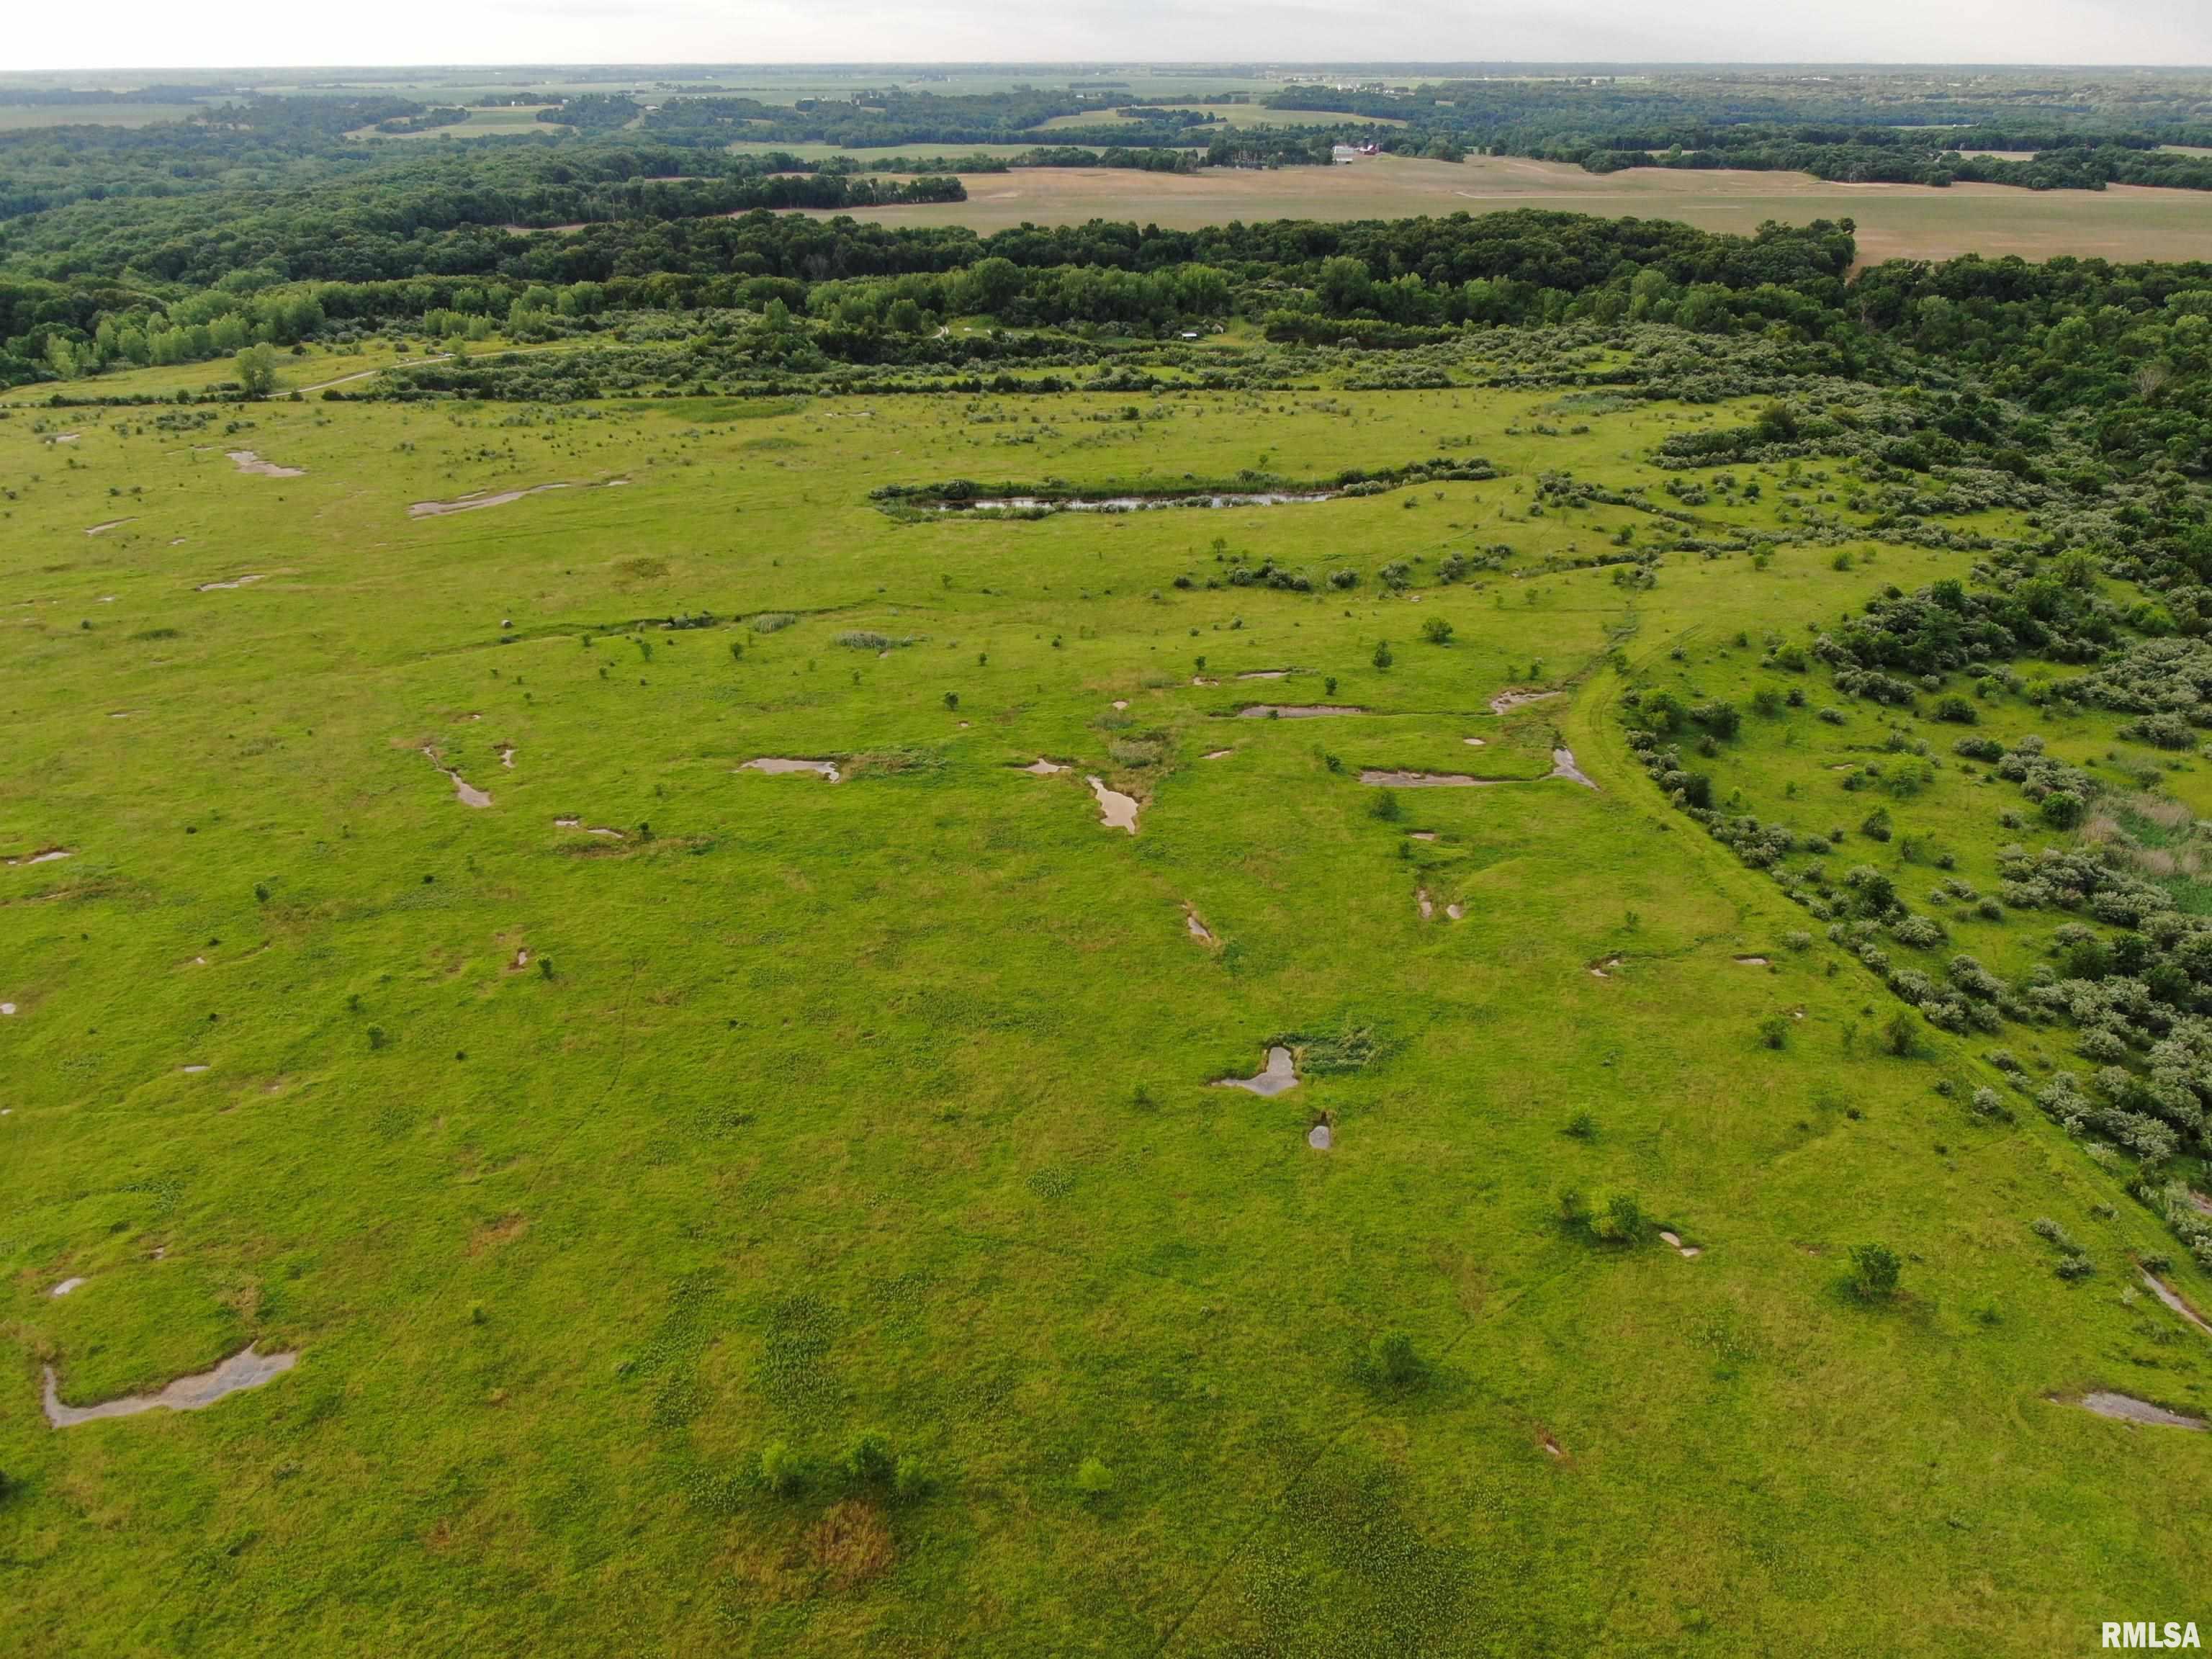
(1874,1270)
(868,1461)
(1093,1481)
(1615,1217)
(779,1469)
(1393,1360)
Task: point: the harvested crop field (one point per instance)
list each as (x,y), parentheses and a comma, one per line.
(1895,221)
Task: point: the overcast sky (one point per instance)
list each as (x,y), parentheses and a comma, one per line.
(141,32)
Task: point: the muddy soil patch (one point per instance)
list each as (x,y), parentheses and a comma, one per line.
(483,498)
(1115,810)
(2126,1408)
(2165,1293)
(1562,766)
(1278,1076)
(243,1370)
(464,792)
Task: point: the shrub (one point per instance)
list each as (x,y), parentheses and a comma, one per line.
(773,622)
(910,1480)
(1956,710)
(1901,1035)
(1616,1217)
(1774,1031)
(868,1459)
(1437,631)
(1382,656)
(1582,1126)
(1393,1358)
(1876,826)
(1874,1270)
(1722,719)
(779,1469)
(1385,806)
(1093,1480)
(2061,809)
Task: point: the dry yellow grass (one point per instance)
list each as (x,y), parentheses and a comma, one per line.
(1895,220)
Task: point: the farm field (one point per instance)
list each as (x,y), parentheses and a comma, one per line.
(488,121)
(1895,221)
(434,991)
(19,117)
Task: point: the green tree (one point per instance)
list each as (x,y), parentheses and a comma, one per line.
(257,370)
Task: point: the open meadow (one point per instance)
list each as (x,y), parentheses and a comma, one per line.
(1895,221)
(726,1209)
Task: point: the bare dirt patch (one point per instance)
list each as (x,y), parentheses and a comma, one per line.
(1382,779)
(851,1543)
(1042,768)
(246,461)
(231,586)
(778,766)
(506,1228)
(43,856)
(111,524)
(1308,711)
(1753,961)
(65,1287)
(243,1370)
(1506,701)
(1674,1242)
(2165,1293)
(1218,754)
(1199,930)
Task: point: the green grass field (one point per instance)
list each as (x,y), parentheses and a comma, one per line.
(15,117)
(491,121)
(580,1168)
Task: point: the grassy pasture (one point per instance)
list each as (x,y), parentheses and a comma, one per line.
(489,121)
(883,1103)
(17,118)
